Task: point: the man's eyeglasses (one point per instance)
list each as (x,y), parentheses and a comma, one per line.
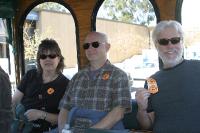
(51,56)
(173,40)
(93,44)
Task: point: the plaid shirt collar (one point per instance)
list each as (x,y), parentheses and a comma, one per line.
(104,67)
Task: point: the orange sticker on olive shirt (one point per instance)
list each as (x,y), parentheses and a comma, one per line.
(50,91)
(106,76)
(152,85)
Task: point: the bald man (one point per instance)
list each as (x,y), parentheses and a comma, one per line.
(98,95)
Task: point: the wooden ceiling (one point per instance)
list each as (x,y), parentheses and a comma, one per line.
(84,13)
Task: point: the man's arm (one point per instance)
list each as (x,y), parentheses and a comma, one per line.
(115,115)
(145,119)
(62,119)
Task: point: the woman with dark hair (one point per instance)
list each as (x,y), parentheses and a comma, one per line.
(41,89)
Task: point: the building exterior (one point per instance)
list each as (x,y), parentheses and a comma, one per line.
(127,39)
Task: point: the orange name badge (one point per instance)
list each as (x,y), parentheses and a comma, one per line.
(50,91)
(152,85)
(106,76)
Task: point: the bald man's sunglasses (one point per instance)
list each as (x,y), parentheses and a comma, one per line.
(174,41)
(93,44)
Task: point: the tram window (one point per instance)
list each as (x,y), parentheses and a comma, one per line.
(3,35)
(6,53)
(40,25)
(129,25)
(191,27)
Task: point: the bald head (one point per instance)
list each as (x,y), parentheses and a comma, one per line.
(96,36)
(96,54)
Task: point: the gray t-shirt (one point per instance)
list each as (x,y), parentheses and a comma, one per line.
(177,104)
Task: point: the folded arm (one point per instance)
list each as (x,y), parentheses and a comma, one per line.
(34,114)
(115,115)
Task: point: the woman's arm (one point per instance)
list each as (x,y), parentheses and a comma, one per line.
(34,114)
(17,97)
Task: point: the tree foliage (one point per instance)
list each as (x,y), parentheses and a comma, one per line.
(52,6)
(32,40)
(132,11)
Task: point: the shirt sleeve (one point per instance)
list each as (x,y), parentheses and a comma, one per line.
(26,79)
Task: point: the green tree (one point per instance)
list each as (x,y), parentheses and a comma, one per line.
(52,6)
(31,42)
(132,11)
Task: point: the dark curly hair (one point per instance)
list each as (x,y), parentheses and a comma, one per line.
(50,45)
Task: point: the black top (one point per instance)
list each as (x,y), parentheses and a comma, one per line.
(42,96)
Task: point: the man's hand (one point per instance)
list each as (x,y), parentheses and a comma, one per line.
(141,97)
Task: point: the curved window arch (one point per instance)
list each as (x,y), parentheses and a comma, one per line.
(50,20)
(131,46)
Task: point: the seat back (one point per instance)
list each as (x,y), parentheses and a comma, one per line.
(130,120)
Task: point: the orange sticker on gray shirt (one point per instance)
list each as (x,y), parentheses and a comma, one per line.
(152,85)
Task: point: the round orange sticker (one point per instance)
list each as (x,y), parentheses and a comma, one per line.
(152,85)
(106,76)
(151,81)
(50,91)
(153,89)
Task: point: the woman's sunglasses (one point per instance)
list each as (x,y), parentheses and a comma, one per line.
(51,56)
(93,44)
(165,41)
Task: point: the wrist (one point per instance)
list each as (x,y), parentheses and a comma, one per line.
(142,110)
